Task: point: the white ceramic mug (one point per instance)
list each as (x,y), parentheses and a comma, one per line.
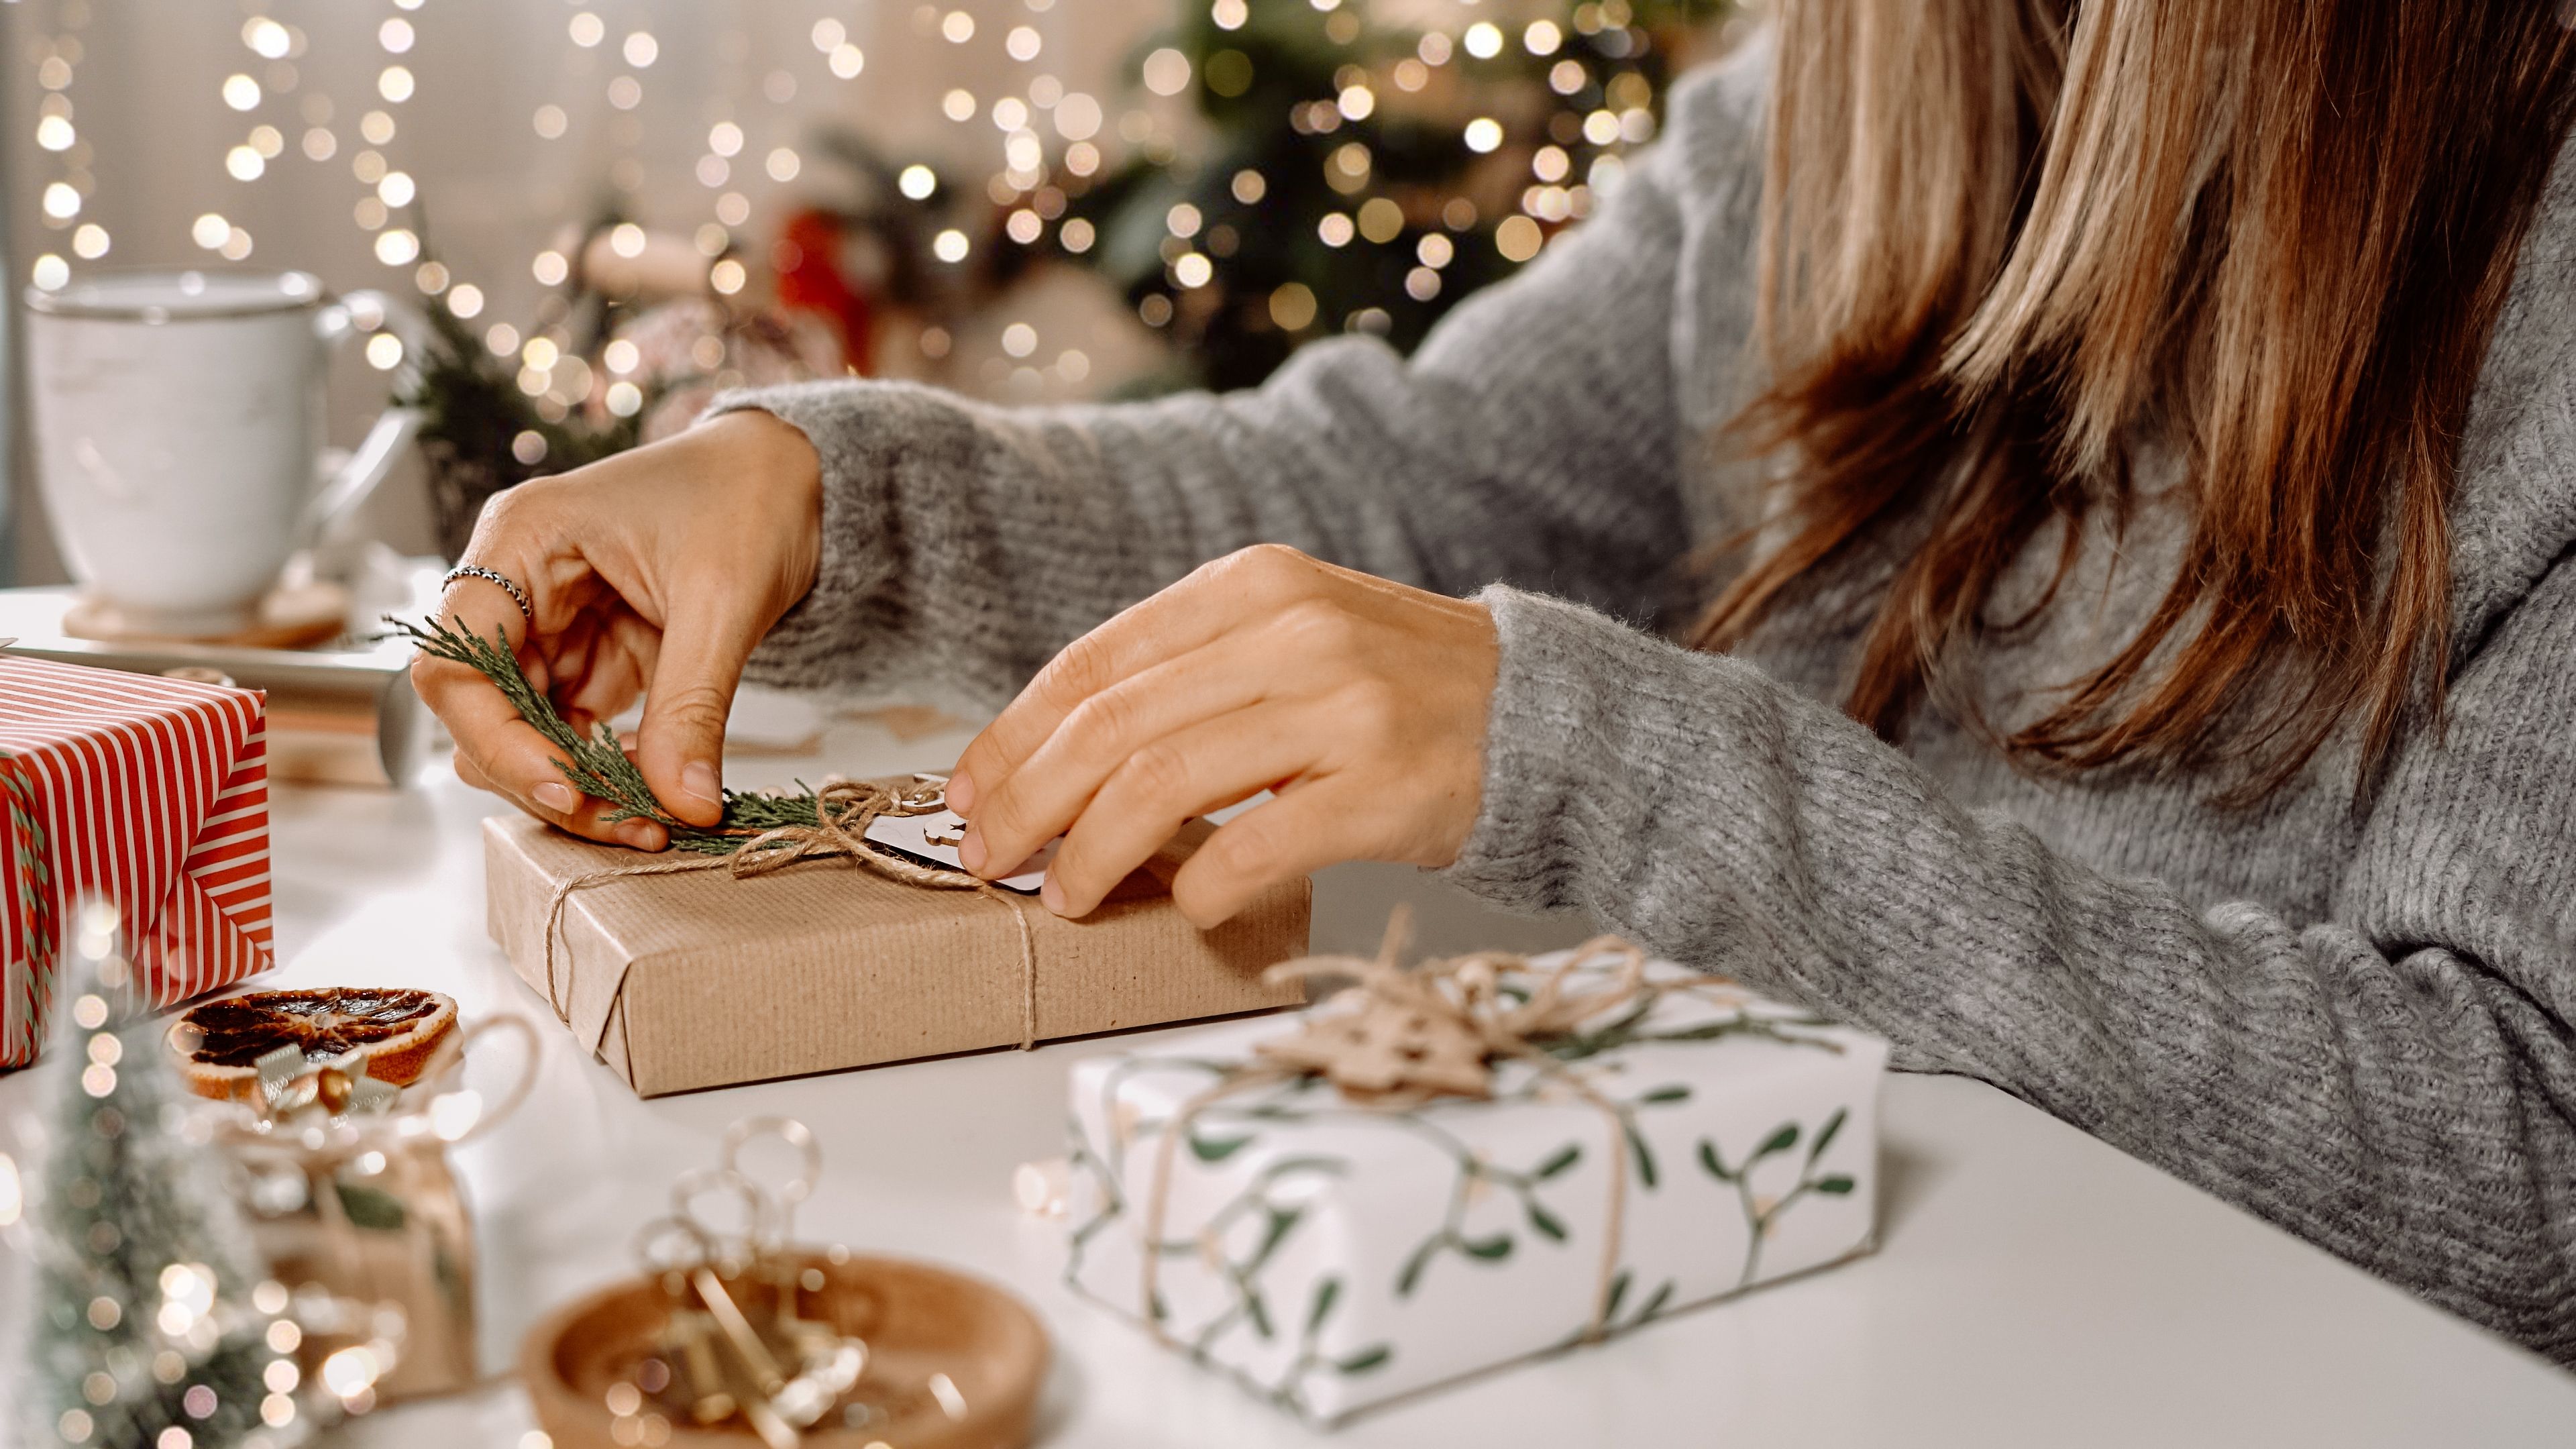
(178,416)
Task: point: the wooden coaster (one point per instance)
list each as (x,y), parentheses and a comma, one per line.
(290,617)
(919,1321)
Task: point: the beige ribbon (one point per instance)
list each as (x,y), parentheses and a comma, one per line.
(1438,1029)
(843,810)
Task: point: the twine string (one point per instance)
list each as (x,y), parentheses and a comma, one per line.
(1458,999)
(843,810)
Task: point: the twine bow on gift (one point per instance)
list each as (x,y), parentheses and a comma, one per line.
(843,810)
(1398,1038)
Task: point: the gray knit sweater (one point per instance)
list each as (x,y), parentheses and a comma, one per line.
(2355,1023)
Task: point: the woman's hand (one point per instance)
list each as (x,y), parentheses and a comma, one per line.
(1360,702)
(654,571)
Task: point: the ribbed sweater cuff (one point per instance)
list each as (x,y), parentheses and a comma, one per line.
(1566,678)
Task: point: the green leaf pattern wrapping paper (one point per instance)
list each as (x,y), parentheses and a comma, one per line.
(1328,1255)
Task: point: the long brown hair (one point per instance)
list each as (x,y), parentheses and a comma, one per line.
(2004,241)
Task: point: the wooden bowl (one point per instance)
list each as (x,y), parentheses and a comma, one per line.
(918,1320)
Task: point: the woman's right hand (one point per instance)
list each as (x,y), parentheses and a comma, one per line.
(653,572)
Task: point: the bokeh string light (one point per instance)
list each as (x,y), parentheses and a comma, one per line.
(263,71)
(394,193)
(68,180)
(1037,116)
(1537,106)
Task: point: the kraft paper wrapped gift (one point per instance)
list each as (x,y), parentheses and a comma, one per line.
(701,980)
(1328,1254)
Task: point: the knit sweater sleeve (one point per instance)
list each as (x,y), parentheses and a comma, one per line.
(2397,1083)
(1532,438)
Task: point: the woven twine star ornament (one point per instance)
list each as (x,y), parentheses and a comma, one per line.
(1437,1030)
(1387,1049)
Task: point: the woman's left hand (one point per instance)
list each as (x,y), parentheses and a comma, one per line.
(1359,702)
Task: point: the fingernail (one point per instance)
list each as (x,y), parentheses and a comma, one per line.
(1051,895)
(642,834)
(970,851)
(961,793)
(700,780)
(555,796)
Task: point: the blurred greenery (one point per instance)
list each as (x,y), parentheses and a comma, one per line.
(1258,86)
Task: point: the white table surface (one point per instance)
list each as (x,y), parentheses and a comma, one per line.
(2033,1286)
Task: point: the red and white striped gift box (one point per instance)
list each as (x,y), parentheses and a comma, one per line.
(150,792)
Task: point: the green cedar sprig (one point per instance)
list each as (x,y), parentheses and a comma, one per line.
(596,766)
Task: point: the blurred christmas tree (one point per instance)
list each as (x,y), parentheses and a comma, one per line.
(1365,176)
(144,1332)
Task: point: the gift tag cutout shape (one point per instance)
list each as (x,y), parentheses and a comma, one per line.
(933,838)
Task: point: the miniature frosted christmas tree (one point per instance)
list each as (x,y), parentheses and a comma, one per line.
(146,1331)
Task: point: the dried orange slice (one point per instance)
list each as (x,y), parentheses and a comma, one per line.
(396,1029)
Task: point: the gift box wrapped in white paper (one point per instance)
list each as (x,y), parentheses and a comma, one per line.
(1330,1249)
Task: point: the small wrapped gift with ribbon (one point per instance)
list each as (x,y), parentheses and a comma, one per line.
(1447,1168)
(814,947)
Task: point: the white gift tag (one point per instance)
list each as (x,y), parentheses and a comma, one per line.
(933,838)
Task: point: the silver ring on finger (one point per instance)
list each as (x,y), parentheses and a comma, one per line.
(518,596)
